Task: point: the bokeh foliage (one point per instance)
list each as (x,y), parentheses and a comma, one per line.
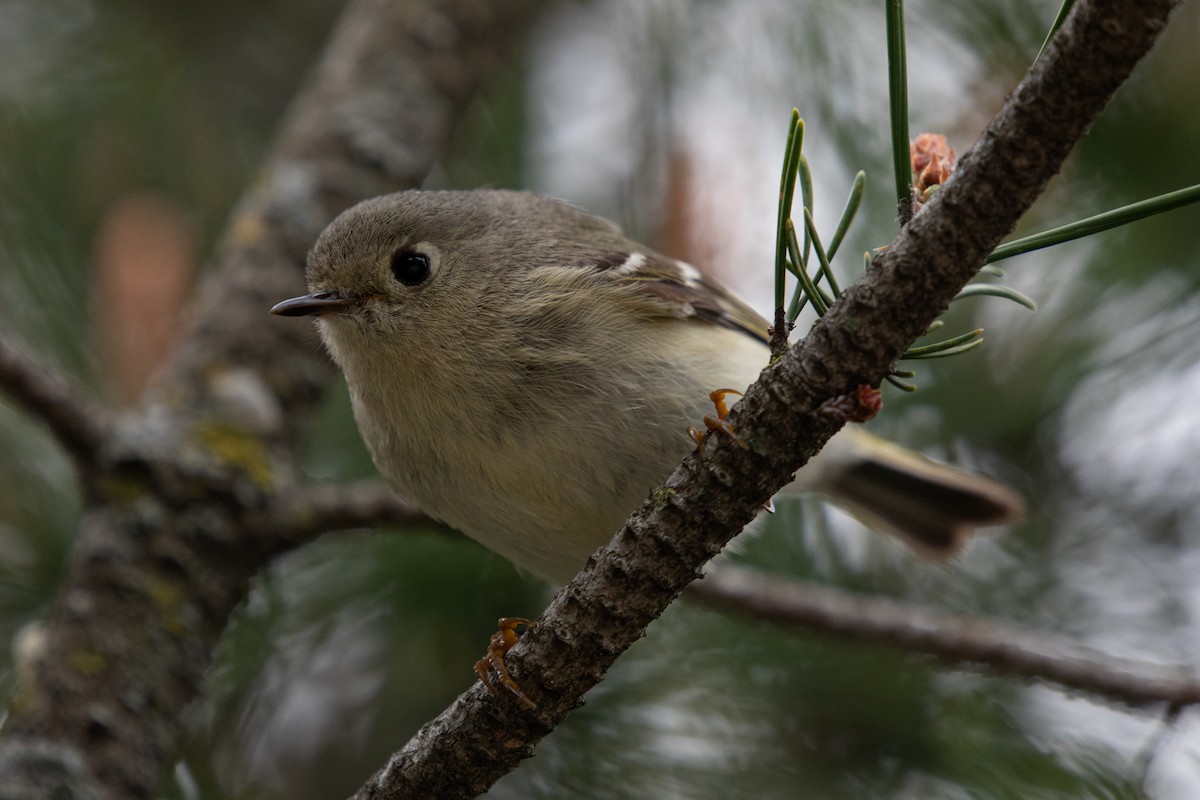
(344,648)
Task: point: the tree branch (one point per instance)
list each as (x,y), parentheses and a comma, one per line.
(954,640)
(307,512)
(786,416)
(174,530)
(77,425)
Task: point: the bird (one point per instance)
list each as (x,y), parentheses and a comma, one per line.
(524,372)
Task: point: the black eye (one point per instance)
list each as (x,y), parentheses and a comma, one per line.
(410,267)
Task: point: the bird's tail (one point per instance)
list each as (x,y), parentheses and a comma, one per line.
(932,507)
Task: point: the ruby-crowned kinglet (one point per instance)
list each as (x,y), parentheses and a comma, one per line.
(524,372)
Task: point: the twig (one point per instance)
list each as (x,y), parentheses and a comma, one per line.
(307,512)
(954,640)
(77,425)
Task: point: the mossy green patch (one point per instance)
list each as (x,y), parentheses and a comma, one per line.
(237,449)
(662,497)
(87,662)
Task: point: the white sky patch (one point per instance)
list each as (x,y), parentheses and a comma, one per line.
(1137,440)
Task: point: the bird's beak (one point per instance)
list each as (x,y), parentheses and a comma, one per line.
(316,303)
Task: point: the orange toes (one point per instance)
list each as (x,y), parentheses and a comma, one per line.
(491,668)
(718,422)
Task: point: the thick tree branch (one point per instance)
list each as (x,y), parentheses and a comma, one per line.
(787,415)
(953,640)
(77,425)
(174,528)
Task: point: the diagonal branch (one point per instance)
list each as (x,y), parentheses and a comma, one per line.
(953,640)
(77,425)
(797,404)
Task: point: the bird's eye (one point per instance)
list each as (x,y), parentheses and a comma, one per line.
(410,267)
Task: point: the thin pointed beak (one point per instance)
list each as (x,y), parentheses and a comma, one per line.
(316,303)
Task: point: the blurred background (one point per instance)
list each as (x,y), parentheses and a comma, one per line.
(128,130)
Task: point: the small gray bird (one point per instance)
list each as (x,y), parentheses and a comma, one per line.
(524,372)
